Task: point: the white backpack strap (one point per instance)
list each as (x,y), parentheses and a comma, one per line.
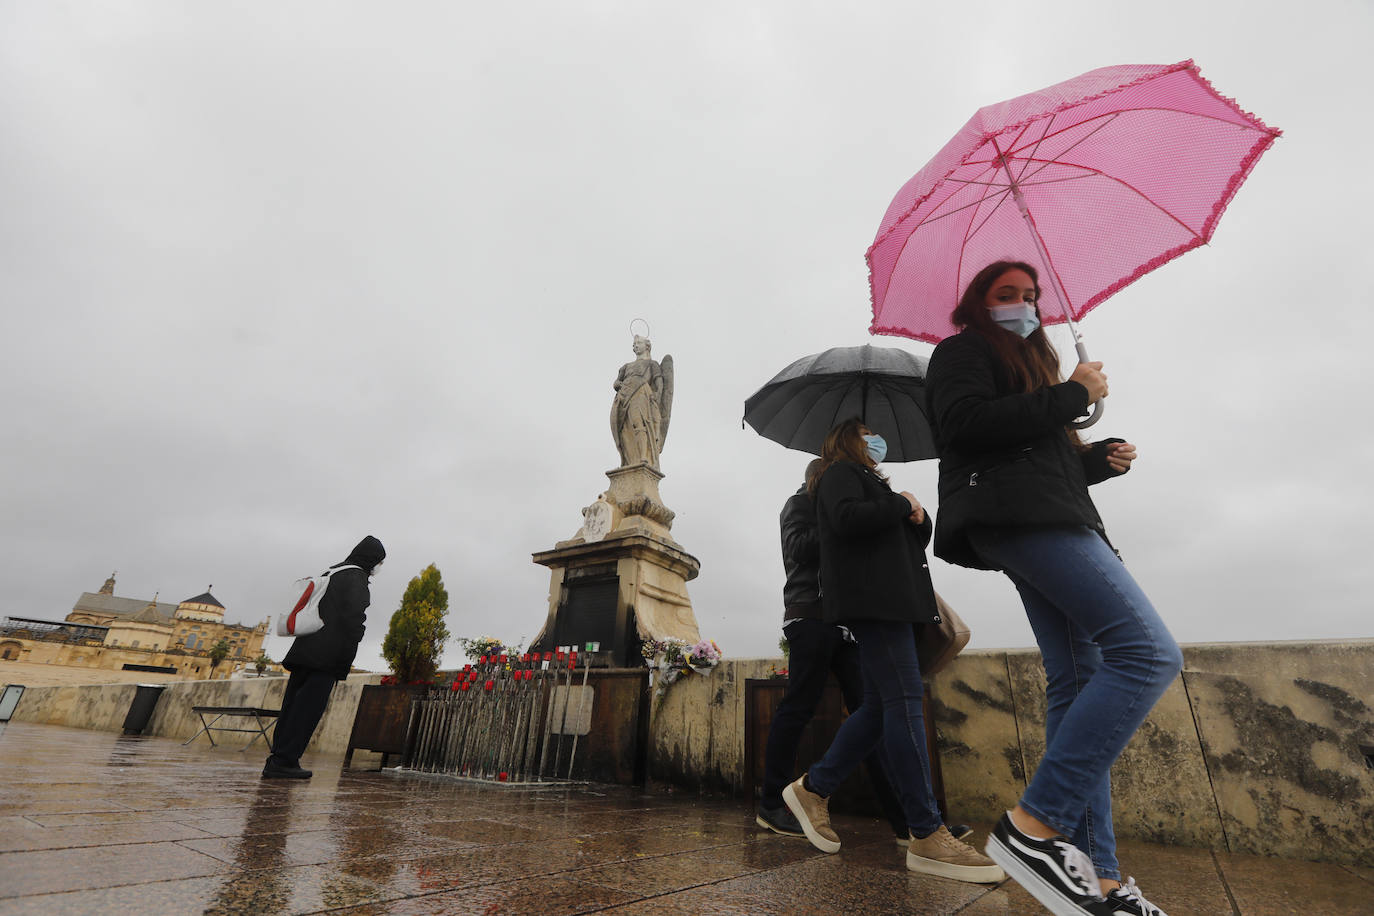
(332,570)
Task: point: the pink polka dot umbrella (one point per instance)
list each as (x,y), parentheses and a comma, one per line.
(1097,180)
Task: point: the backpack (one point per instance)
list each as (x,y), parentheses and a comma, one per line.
(304,616)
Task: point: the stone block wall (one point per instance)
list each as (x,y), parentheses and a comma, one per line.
(1263,748)
(103,707)
(696,728)
(1257,747)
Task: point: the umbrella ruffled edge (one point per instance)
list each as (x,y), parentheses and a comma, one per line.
(1270,134)
(1065,106)
(1208,228)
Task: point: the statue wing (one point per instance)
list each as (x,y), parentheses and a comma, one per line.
(665,399)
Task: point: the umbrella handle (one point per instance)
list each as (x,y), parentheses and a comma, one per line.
(1096,413)
(1090,419)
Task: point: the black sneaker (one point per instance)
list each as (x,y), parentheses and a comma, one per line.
(779,820)
(1126,900)
(1054,871)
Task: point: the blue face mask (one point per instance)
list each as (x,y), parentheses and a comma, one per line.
(1019,318)
(877,447)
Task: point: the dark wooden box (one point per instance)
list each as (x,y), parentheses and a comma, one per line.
(380,723)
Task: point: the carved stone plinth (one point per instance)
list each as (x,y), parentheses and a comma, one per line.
(634,491)
(630,585)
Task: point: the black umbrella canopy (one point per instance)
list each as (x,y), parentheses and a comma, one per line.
(884,386)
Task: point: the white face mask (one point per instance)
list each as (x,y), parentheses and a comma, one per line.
(1019,317)
(877,447)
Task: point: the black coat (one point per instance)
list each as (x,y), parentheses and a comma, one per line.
(343,608)
(873,564)
(801,557)
(1005,458)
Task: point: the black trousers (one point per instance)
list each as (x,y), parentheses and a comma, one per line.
(307,694)
(817,649)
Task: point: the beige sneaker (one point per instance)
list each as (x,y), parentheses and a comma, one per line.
(813,813)
(942,855)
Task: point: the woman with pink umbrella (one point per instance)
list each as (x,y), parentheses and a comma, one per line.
(1014,479)
(1099,180)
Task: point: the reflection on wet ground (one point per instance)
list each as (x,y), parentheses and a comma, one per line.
(97,823)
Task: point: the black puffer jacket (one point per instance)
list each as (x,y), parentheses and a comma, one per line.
(1005,459)
(873,564)
(343,610)
(801,558)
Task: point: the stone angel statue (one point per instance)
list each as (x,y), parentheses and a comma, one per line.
(642,407)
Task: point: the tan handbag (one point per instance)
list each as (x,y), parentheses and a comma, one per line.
(939,643)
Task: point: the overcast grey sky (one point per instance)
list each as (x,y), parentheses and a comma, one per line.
(279,275)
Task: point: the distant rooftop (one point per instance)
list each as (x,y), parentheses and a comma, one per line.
(93,603)
(53,628)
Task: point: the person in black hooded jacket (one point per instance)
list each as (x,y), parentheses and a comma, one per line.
(318,660)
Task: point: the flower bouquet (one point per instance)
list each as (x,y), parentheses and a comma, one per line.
(488,646)
(704,656)
(666,659)
(669,659)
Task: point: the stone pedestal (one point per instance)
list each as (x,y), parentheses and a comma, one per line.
(634,491)
(622,577)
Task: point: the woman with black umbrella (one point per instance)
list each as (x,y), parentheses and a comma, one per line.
(875,581)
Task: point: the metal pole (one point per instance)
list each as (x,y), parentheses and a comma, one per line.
(550,680)
(408,758)
(433,730)
(489,697)
(422,755)
(470,707)
(508,689)
(1078,344)
(522,745)
(455,717)
(536,702)
(581,704)
(563,725)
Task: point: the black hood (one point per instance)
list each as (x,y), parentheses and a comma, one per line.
(367,554)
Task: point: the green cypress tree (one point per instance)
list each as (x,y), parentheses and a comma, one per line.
(417,634)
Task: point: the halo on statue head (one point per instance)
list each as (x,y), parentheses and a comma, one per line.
(639,321)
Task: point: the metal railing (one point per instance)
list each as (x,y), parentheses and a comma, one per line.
(506,719)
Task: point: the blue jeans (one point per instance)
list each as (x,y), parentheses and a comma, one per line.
(817,649)
(1108,659)
(890,716)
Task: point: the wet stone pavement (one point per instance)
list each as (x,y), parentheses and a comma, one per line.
(92,822)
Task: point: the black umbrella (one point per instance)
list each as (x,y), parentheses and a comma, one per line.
(883,386)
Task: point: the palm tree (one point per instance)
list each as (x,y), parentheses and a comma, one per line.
(218,652)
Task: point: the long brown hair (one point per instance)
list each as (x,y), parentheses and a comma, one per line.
(844,442)
(1032,362)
